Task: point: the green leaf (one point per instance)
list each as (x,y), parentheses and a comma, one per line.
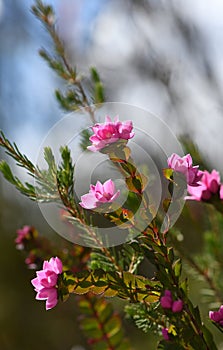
(112,326)
(99,93)
(184,286)
(95,75)
(7,173)
(168,174)
(209,338)
(98,86)
(85,142)
(102,325)
(117,337)
(177,267)
(90,328)
(104,309)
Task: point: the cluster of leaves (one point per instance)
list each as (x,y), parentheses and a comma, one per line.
(207,264)
(129,257)
(144,316)
(101,325)
(128,286)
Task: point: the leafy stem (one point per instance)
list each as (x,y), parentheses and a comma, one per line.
(75,97)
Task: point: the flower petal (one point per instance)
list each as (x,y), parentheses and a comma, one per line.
(88,201)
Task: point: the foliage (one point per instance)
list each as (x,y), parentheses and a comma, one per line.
(101,325)
(74,96)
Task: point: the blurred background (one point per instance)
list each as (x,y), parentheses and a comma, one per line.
(163,56)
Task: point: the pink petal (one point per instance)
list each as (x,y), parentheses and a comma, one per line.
(101,197)
(43,294)
(115,196)
(52,299)
(48,280)
(93,148)
(96,127)
(196,192)
(172,160)
(206,195)
(125,127)
(109,187)
(57,265)
(94,139)
(107,119)
(36,283)
(188,159)
(214,186)
(99,187)
(88,201)
(214,175)
(50,304)
(214,316)
(46,266)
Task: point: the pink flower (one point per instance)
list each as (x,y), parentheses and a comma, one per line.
(217,316)
(110,132)
(184,165)
(165,334)
(24,235)
(208,186)
(99,194)
(46,281)
(167,302)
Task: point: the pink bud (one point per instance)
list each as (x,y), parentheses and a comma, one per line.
(165,334)
(166,300)
(177,306)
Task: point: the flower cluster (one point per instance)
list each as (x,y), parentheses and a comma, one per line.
(46,281)
(185,166)
(209,185)
(99,194)
(217,316)
(167,302)
(110,132)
